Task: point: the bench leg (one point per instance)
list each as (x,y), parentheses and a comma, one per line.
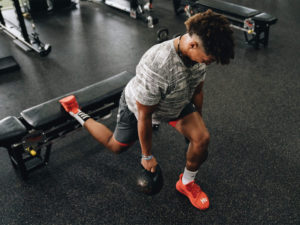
(18,161)
(257,39)
(47,154)
(16,157)
(266,36)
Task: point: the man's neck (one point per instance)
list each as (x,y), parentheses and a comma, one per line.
(179,44)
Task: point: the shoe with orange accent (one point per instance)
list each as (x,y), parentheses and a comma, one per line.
(70,104)
(193,191)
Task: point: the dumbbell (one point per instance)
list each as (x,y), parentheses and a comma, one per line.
(163,34)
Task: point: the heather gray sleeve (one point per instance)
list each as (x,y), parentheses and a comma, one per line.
(149,85)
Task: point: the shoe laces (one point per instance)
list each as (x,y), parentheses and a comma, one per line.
(194,188)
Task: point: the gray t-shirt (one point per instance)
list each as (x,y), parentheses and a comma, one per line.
(162,78)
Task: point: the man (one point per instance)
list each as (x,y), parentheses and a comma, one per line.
(168,87)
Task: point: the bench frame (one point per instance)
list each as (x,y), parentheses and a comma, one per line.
(20,35)
(29,147)
(40,141)
(256,32)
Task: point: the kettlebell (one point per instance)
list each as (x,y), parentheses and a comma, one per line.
(150,183)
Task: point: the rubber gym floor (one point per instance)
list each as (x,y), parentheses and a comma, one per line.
(251,108)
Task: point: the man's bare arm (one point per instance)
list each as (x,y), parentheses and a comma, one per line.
(145,134)
(197,98)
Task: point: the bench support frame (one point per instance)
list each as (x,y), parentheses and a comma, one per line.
(40,141)
(254,35)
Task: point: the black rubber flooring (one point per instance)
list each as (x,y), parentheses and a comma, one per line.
(251,109)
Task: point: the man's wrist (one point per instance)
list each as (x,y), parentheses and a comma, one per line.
(147,157)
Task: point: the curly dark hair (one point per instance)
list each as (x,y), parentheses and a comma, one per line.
(215,33)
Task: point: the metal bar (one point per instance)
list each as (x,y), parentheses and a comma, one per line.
(21,21)
(25,41)
(18,37)
(1,17)
(242,29)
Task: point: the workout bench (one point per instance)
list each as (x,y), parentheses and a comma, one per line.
(28,138)
(252,22)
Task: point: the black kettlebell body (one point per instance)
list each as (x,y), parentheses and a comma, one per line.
(150,183)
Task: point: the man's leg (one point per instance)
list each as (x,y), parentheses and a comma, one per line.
(127,134)
(104,136)
(193,128)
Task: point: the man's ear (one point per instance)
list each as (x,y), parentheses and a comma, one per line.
(193,44)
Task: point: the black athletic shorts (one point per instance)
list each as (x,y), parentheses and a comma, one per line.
(126,131)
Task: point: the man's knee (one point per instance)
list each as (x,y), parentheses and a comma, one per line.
(118,147)
(200,139)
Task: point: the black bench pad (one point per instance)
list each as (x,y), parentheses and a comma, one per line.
(10,129)
(48,113)
(229,8)
(265,18)
(8,64)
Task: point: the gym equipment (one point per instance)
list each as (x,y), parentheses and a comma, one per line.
(43,6)
(22,38)
(162,34)
(8,64)
(28,139)
(254,24)
(150,183)
(61,4)
(35,6)
(136,8)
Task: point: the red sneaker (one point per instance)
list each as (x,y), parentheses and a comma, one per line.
(193,191)
(70,104)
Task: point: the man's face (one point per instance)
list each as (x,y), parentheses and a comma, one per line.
(197,52)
